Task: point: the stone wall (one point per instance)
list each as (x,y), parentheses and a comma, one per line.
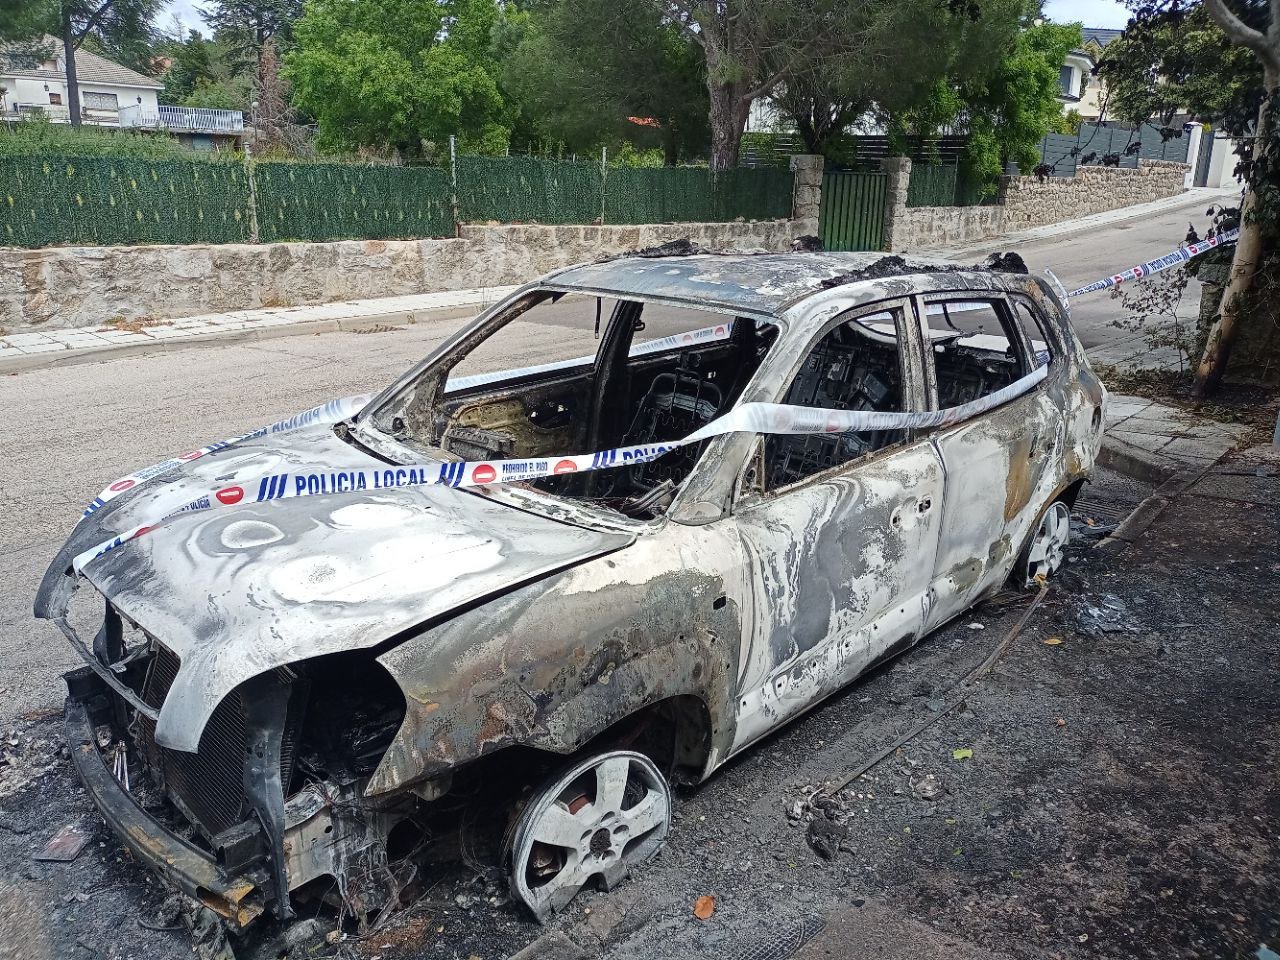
(1030,203)
(61,287)
(950,226)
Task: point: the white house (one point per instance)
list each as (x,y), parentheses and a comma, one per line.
(110,96)
(105,87)
(1079,87)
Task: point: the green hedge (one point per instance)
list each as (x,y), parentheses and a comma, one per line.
(332,201)
(693,194)
(107,201)
(527,190)
(58,199)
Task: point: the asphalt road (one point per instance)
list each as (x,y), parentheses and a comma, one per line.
(71,430)
(1080,258)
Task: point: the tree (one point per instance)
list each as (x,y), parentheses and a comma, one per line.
(580,68)
(108,22)
(398,73)
(248,24)
(1263,174)
(754,46)
(1010,108)
(1222,64)
(937,48)
(190,65)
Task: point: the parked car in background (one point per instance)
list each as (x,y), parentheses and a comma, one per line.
(367,627)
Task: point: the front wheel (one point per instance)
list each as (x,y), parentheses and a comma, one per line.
(594,822)
(1047,550)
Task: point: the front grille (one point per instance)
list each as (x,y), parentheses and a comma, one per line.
(207,785)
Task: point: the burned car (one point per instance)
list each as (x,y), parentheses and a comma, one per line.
(797,466)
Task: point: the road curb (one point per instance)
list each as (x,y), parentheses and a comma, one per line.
(1138,522)
(1134,461)
(363,324)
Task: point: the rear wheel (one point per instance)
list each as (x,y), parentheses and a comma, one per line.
(595,821)
(1047,550)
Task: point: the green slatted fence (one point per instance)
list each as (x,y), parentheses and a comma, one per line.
(852,212)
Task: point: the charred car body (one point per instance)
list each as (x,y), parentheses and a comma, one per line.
(304,680)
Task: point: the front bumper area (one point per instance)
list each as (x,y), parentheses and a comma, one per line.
(237,899)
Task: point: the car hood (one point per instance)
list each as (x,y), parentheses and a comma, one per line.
(236,591)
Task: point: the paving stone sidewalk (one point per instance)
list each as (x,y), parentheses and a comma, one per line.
(1153,441)
(24,350)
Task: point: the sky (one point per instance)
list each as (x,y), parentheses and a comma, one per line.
(1092,13)
(184,10)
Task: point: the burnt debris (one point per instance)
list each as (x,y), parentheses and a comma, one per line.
(893,265)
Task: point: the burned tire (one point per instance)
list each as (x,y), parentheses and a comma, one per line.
(1047,550)
(594,822)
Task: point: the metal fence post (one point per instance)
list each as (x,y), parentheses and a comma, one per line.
(604,173)
(453,184)
(253,193)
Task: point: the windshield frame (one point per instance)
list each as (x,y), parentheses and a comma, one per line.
(368,428)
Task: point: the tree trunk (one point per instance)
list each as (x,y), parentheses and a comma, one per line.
(69,53)
(670,146)
(1249,253)
(729,109)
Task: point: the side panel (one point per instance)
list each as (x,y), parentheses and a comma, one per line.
(555,663)
(839,572)
(1001,468)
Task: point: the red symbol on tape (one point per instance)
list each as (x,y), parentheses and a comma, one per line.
(230,495)
(193,455)
(121,485)
(484,474)
(565,466)
(142,530)
(687,338)
(833,425)
(720,331)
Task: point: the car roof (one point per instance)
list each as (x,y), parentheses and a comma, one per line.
(748,283)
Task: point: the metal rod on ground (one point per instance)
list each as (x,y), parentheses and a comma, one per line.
(604,173)
(976,674)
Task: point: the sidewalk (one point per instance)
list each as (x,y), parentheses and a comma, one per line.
(22,351)
(1152,441)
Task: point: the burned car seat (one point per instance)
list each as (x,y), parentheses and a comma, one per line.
(675,405)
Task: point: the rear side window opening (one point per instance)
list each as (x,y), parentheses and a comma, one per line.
(855,366)
(574,373)
(977,348)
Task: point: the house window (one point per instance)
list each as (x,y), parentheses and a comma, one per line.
(55,99)
(1067,81)
(101,101)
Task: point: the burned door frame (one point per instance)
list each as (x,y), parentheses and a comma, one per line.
(985,521)
(798,552)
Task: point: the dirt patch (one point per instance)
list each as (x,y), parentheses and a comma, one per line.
(136,325)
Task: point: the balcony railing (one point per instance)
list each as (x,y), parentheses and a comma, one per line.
(192,119)
(56,114)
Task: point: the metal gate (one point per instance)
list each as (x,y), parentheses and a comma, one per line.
(852,213)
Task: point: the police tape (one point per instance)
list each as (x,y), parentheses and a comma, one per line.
(769,418)
(332,411)
(1179,256)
